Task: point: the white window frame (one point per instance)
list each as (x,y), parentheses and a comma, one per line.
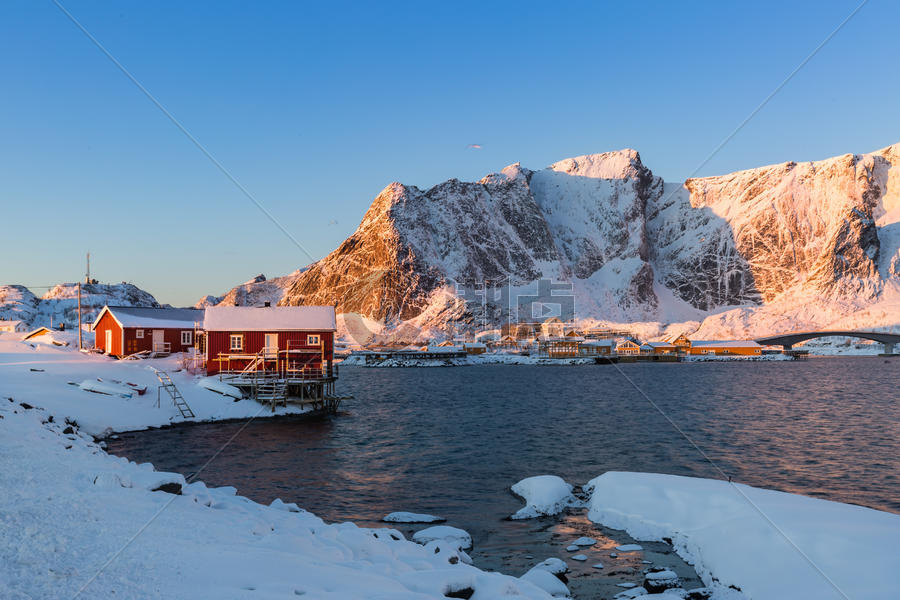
(139,334)
(240,339)
(313,339)
(187,335)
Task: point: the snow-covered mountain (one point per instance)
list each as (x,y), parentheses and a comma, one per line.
(60,303)
(770,249)
(255,292)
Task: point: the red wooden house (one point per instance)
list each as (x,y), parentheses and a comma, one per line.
(124,330)
(294,343)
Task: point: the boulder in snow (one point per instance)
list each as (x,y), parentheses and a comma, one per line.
(547,581)
(454,535)
(543,495)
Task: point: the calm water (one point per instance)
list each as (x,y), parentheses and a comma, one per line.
(451,441)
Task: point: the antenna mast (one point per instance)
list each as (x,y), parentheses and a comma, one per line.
(87,275)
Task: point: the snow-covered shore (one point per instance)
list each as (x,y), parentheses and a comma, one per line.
(768,544)
(76,520)
(39,374)
(67,507)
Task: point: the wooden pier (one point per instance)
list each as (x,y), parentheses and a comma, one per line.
(278,385)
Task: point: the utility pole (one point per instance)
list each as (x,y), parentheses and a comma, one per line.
(79,318)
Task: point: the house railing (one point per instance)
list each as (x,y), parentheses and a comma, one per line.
(279,364)
(162,347)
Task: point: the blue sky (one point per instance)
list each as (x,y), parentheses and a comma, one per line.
(315,107)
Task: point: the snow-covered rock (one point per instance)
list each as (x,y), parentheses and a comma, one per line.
(543,495)
(629,548)
(548,582)
(452,535)
(584,541)
(579,557)
(659,581)
(555,566)
(409,517)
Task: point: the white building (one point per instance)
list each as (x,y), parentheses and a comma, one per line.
(13,326)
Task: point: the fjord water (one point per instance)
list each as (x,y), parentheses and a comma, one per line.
(451,441)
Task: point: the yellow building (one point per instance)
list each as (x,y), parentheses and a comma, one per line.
(658,348)
(628,346)
(474,347)
(725,348)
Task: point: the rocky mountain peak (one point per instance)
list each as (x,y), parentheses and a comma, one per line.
(631,247)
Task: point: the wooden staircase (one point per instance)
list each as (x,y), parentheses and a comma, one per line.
(167,384)
(272,391)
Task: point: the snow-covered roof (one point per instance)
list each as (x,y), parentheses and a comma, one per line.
(270,318)
(597,343)
(152,318)
(659,344)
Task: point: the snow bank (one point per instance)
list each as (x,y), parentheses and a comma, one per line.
(543,495)
(69,508)
(720,528)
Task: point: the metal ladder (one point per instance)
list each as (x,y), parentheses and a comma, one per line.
(168,385)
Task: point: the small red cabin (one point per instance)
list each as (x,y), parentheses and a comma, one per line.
(294,342)
(124,330)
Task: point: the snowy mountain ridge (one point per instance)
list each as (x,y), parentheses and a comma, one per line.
(765,250)
(60,304)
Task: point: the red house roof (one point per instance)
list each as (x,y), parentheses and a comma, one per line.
(270,318)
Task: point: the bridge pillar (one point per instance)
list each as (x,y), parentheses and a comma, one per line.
(888,348)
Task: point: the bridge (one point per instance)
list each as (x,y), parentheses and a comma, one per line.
(789,339)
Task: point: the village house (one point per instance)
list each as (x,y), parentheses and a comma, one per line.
(558,347)
(13,326)
(684,345)
(628,347)
(596,347)
(293,341)
(125,330)
(474,347)
(658,348)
